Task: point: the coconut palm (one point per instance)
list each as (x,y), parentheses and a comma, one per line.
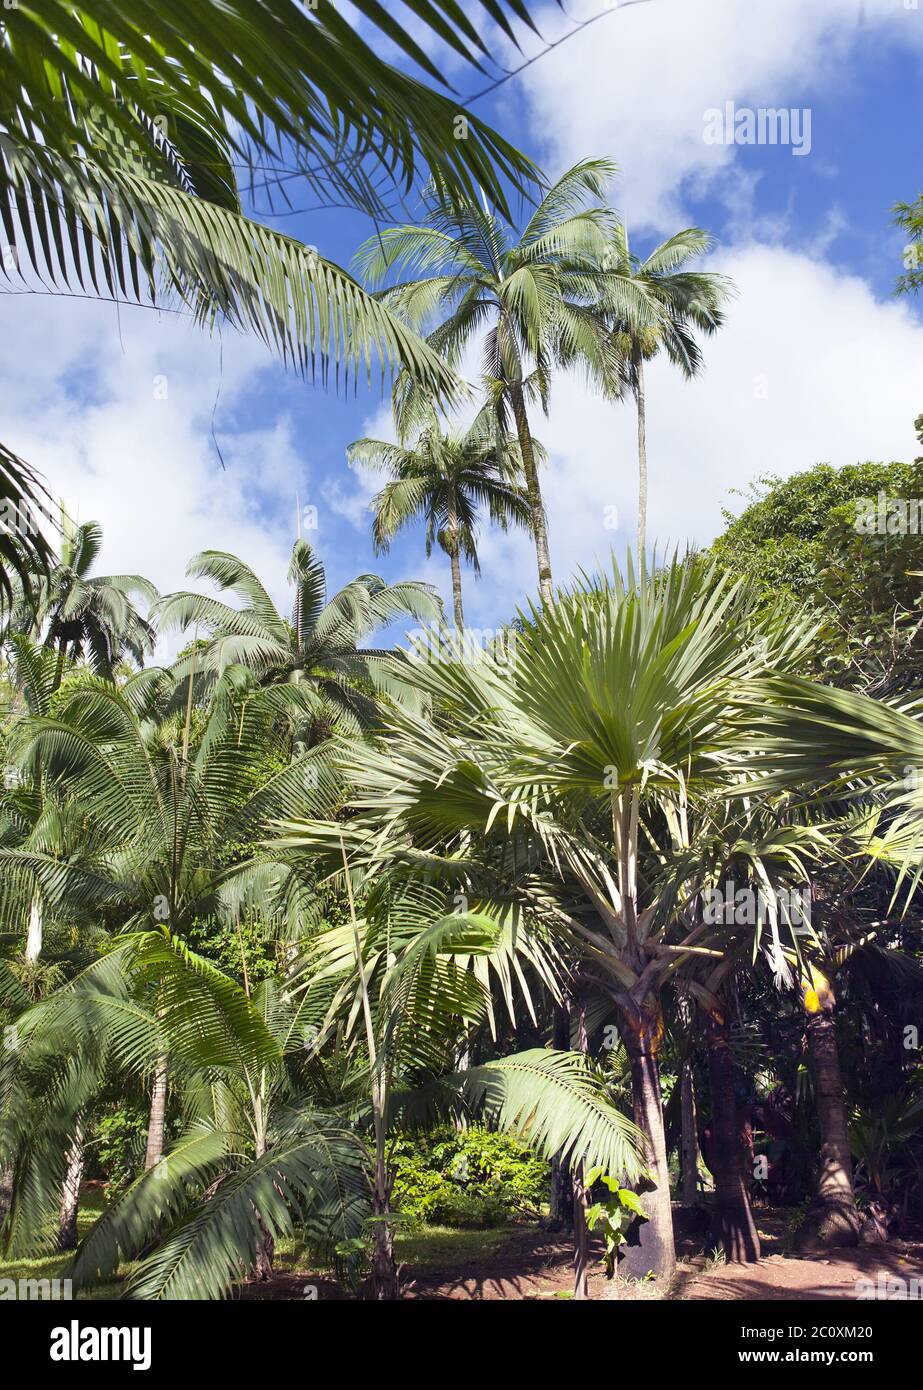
(443,479)
(615,701)
(512,292)
(684,302)
(79,614)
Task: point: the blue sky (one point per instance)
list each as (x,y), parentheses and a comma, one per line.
(817,361)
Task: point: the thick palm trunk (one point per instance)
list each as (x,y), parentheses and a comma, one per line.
(642,458)
(158,1115)
(655,1251)
(70,1192)
(734,1225)
(688,1143)
(534,492)
(832,1219)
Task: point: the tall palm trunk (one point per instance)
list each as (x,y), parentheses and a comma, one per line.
(266,1245)
(70,1191)
(832,1219)
(533,491)
(158,1115)
(734,1224)
(456,566)
(642,456)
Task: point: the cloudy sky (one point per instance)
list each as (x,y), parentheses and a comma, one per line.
(125,410)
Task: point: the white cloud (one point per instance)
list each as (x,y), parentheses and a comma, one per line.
(809,368)
(120,426)
(636,86)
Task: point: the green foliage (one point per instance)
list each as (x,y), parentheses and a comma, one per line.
(797,539)
(613,1214)
(466,1178)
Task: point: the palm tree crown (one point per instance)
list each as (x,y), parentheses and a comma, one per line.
(82,614)
(443,479)
(682,301)
(518,293)
(321,643)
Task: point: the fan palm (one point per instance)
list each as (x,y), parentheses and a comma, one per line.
(443,478)
(617,699)
(683,301)
(319,647)
(511,291)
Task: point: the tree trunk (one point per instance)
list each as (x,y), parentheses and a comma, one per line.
(561,1205)
(70,1192)
(6,1193)
(34,930)
(534,491)
(452,529)
(734,1224)
(158,1115)
(654,1251)
(581,1232)
(642,460)
(832,1219)
(689,1144)
(689,1141)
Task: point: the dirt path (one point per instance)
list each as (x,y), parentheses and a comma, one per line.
(535,1265)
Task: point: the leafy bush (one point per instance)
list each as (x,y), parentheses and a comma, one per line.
(465,1178)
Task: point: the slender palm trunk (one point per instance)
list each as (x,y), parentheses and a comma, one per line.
(581,1231)
(561,1205)
(456,566)
(534,492)
(385,1280)
(70,1192)
(158,1115)
(6,1192)
(688,1144)
(832,1219)
(642,458)
(688,1139)
(266,1245)
(734,1224)
(34,930)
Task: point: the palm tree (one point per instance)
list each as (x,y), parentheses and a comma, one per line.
(76,612)
(443,479)
(168,815)
(683,301)
(512,291)
(616,703)
(273,1081)
(122,142)
(320,646)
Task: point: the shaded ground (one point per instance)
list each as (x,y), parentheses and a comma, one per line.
(530,1264)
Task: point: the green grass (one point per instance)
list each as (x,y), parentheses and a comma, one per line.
(438,1247)
(433,1247)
